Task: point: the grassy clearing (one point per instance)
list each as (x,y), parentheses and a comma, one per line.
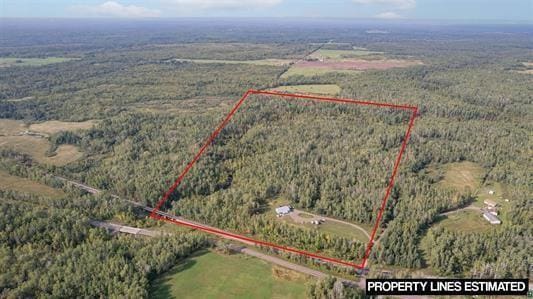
(498,195)
(462,176)
(309,71)
(213,275)
(342,230)
(267,62)
(327,89)
(14,61)
(465,221)
(11,127)
(15,183)
(12,137)
(36,147)
(54,126)
(327,227)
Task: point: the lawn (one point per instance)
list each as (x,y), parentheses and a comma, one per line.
(464,221)
(327,89)
(15,183)
(343,230)
(213,275)
(14,61)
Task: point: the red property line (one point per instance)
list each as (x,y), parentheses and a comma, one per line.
(154,214)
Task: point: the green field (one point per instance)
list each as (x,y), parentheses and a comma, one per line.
(213,275)
(461,176)
(270,62)
(14,61)
(328,89)
(465,221)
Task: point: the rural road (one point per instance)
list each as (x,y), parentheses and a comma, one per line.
(328,219)
(173,218)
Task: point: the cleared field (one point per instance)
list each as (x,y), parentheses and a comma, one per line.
(54,126)
(328,227)
(327,89)
(14,61)
(12,136)
(342,230)
(462,176)
(465,221)
(15,183)
(11,127)
(213,275)
(270,62)
(36,147)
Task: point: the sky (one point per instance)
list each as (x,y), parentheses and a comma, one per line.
(464,10)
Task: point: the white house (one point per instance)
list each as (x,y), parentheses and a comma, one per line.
(491,218)
(283,210)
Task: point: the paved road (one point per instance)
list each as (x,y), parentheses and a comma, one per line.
(329,219)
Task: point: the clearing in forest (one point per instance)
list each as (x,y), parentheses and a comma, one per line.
(33,140)
(15,61)
(325,61)
(337,157)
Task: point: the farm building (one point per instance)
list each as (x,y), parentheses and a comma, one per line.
(283,210)
(490,203)
(491,218)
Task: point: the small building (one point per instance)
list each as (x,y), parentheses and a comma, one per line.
(491,218)
(491,192)
(283,210)
(490,203)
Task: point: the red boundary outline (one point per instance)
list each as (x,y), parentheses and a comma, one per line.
(154,214)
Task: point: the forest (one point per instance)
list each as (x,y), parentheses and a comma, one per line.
(153,111)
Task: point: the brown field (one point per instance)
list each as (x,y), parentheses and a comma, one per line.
(461,176)
(15,183)
(11,127)
(358,64)
(54,126)
(36,147)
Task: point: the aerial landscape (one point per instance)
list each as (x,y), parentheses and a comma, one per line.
(236,152)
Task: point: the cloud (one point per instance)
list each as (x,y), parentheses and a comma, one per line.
(388,15)
(402,4)
(223,4)
(115,9)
